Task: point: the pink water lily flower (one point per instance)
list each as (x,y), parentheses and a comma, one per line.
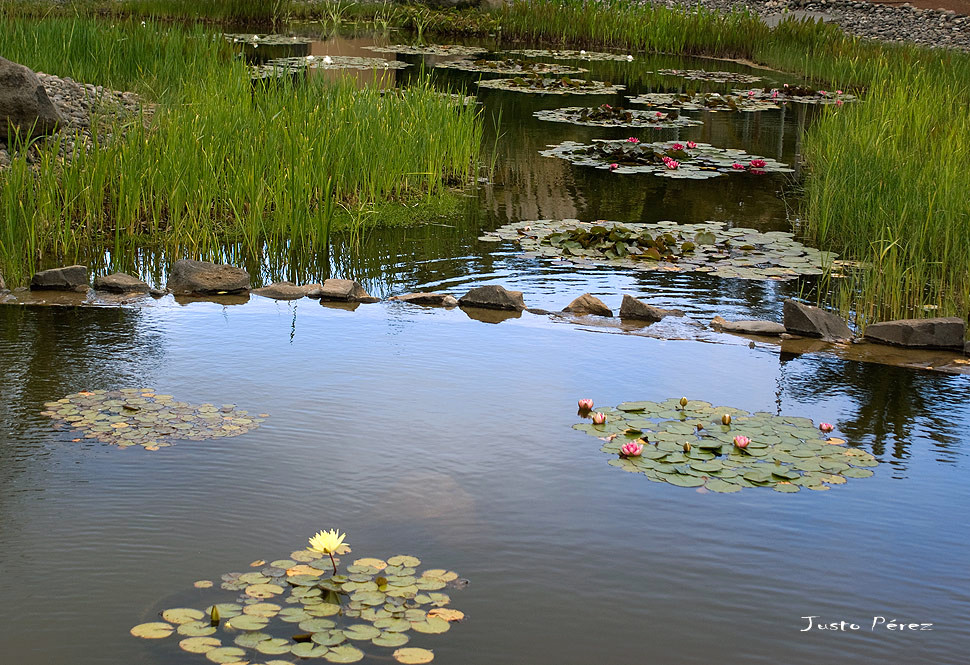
(741,441)
(750,93)
(633,139)
(838,92)
(758,163)
(822,92)
(599,418)
(631,449)
(691,144)
(838,102)
(613,167)
(737,166)
(586,404)
(659,114)
(774,94)
(677,146)
(671,164)
(826,427)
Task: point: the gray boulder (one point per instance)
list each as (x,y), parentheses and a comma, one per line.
(588,304)
(767,328)
(341,290)
(203,278)
(68,278)
(427,299)
(119,282)
(282,291)
(493,296)
(24,104)
(811,321)
(631,308)
(937,333)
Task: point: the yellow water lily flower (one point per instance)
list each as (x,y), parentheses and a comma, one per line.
(327,542)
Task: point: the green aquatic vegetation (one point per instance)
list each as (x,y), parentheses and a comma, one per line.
(801,94)
(510,66)
(297,607)
(286,66)
(615,116)
(140,417)
(711,77)
(590,56)
(457,50)
(703,101)
(690,443)
(552,86)
(708,247)
(257,39)
(669,159)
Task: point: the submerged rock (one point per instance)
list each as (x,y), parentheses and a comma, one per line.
(119,282)
(428,299)
(493,296)
(768,328)
(282,291)
(631,308)
(588,304)
(201,277)
(340,290)
(68,278)
(936,333)
(809,321)
(24,104)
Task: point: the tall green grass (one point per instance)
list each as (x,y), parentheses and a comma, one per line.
(888,177)
(226,160)
(272,11)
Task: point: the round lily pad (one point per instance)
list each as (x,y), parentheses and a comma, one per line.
(199,644)
(344,653)
(712,77)
(552,86)
(413,656)
(247,622)
(391,639)
(182,615)
(606,115)
(404,560)
(153,630)
(458,50)
(308,650)
(226,654)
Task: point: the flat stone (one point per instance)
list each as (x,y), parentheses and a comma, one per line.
(282,291)
(936,333)
(588,304)
(340,290)
(119,282)
(427,299)
(631,308)
(493,296)
(809,321)
(201,277)
(24,104)
(748,327)
(68,278)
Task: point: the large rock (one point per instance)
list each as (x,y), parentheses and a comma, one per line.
(24,104)
(341,290)
(588,304)
(282,291)
(767,328)
(428,299)
(200,277)
(811,321)
(119,282)
(493,296)
(68,278)
(631,308)
(938,333)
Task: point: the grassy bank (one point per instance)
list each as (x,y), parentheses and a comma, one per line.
(222,160)
(887,178)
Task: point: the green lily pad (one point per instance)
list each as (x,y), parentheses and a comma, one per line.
(199,644)
(344,654)
(391,639)
(153,630)
(308,650)
(226,654)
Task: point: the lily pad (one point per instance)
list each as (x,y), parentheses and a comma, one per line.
(509,66)
(287,66)
(573,55)
(199,644)
(226,655)
(344,653)
(606,115)
(413,656)
(711,77)
(457,50)
(154,630)
(552,86)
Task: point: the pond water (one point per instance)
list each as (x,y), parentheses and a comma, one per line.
(429,433)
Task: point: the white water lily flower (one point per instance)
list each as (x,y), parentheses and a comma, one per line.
(629,58)
(310,58)
(327,60)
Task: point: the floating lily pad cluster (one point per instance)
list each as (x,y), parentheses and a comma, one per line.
(457,50)
(572,55)
(615,116)
(140,417)
(708,247)
(796,93)
(284,66)
(510,66)
(295,608)
(669,159)
(688,446)
(268,40)
(712,77)
(704,101)
(552,86)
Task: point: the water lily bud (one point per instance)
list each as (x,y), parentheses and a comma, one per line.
(586,404)
(683,401)
(825,427)
(599,418)
(214,616)
(700,426)
(726,419)
(741,441)
(686,446)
